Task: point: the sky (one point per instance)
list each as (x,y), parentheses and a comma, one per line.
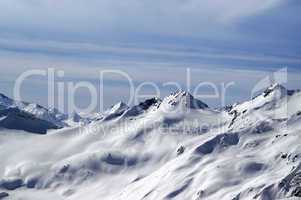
(220,41)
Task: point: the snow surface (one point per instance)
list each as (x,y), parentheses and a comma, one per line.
(175,148)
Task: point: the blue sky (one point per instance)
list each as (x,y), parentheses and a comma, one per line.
(152,40)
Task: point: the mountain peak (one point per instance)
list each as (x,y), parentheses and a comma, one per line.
(185,99)
(278,90)
(150,102)
(276,86)
(3,96)
(181,93)
(5,101)
(118,107)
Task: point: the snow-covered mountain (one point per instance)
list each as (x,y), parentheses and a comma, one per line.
(174,148)
(33,117)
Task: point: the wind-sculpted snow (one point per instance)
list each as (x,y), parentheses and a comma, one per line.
(217,143)
(175,148)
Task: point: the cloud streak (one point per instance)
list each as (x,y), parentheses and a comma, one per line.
(150,38)
(188,17)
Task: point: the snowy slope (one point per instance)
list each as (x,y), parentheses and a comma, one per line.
(175,148)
